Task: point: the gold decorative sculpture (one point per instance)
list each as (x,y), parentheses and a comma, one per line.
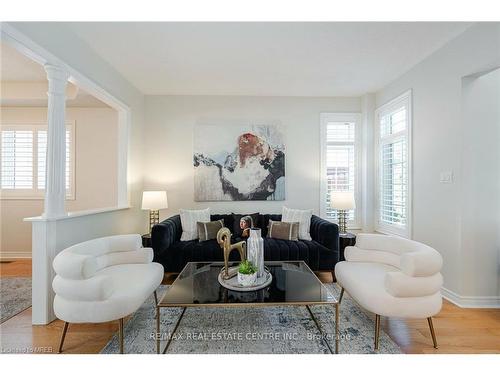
(224,240)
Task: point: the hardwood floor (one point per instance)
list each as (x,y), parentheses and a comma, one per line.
(19,268)
(458,330)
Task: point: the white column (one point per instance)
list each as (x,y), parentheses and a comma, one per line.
(55,189)
(44,250)
(44,231)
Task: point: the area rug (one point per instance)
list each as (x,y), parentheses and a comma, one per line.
(15,296)
(264,330)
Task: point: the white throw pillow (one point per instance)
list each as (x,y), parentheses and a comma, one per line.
(189,218)
(303,217)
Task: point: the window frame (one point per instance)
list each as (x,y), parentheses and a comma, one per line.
(35,193)
(405,100)
(325,118)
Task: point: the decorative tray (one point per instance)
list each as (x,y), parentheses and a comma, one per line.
(232,283)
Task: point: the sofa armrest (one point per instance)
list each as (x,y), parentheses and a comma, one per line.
(97,288)
(398,284)
(164,235)
(75,266)
(425,262)
(325,232)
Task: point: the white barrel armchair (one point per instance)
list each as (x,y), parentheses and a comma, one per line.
(393,277)
(104,279)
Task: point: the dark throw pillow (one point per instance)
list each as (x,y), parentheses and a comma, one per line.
(237,230)
(208,230)
(283,231)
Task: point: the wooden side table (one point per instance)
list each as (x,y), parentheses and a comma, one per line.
(146,240)
(345,239)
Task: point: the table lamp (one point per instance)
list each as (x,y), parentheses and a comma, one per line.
(154,201)
(342,201)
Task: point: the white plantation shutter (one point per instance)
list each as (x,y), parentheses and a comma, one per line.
(23,160)
(393,202)
(339,161)
(394,182)
(17,159)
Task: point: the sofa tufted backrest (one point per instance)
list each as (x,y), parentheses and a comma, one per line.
(228,219)
(262,223)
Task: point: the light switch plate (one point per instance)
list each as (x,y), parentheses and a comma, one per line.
(446,177)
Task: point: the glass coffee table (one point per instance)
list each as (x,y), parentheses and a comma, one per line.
(293,284)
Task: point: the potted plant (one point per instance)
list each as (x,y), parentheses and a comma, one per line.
(247,273)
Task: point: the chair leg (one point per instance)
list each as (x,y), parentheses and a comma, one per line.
(63,336)
(341,295)
(156,302)
(433,334)
(377,330)
(120,334)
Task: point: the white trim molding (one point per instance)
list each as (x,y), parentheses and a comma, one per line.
(14,255)
(355,117)
(78,213)
(471,302)
(406,100)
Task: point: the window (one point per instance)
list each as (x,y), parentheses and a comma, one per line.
(393,149)
(340,162)
(23,160)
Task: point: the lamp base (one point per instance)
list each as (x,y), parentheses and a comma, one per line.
(154,218)
(342,215)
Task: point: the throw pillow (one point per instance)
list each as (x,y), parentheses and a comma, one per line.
(237,228)
(208,230)
(189,218)
(303,217)
(283,231)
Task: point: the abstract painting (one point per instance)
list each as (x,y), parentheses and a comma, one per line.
(239,163)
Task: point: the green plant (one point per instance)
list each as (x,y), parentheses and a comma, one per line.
(247,268)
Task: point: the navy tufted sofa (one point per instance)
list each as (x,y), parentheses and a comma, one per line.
(321,254)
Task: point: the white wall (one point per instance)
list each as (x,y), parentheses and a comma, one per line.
(168,144)
(437,88)
(480,226)
(96,132)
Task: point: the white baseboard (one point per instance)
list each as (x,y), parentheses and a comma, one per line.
(13,255)
(471,302)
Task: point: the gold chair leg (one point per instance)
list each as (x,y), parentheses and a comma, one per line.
(433,334)
(341,295)
(377,330)
(156,302)
(63,336)
(157,330)
(120,334)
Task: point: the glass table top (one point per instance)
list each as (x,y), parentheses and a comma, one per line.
(293,283)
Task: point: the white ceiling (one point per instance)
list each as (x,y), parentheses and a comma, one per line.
(15,67)
(282,59)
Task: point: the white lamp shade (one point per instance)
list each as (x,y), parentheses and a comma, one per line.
(342,200)
(154,200)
